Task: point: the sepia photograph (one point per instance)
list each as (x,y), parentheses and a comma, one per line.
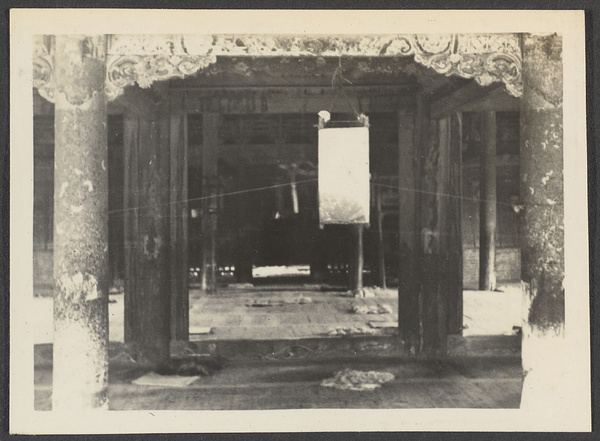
(311,220)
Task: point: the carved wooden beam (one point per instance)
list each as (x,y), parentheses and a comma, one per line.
(144,59)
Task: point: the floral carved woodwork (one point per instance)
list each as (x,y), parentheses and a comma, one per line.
(144,59)
(43,67)
(144,70)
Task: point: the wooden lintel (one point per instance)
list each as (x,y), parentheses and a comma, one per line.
(296,90)
(474,98)
(297,99)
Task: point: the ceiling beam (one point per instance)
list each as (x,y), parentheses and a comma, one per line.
(474,98)
(299,99)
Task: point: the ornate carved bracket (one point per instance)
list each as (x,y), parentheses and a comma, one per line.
(143,59)
(43,67)
(487,58)
(128,70)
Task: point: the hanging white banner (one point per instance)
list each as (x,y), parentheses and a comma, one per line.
(344,175)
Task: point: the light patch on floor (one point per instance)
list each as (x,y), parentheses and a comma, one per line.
(281,271)
(376,324)
(200,330)
(154,379)
(492,312)
(349,379)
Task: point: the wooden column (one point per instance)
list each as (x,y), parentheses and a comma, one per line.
(243,258)
(487,207)
(355,268)
(318,259)
(443,205)
(318,264)
(380,263)
(441,255)
(178,217)
(408,233)
(131,203)
(542,247)
(80,360)
(454,254)
(147,317)
(210,153)
(429,268)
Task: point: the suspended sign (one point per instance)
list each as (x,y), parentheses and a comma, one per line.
(344,175)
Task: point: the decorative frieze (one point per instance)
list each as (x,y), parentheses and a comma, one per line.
(143,59)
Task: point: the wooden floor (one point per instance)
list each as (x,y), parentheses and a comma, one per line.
(286,382)
(450,383)
(299,311)
(285,312)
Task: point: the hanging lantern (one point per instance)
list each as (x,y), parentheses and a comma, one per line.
(344,188)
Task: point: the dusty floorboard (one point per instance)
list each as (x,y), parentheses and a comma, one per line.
(454,383)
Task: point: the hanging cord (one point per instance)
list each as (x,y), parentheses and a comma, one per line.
(338,73)
(232,193)
(432,193)
(287,184)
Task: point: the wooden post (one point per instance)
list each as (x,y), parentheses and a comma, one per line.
(318,263)
(178,217)
(429,268)
(449,286)
(441,266)
(454,254)
(488,217)
(210,152)
(355,269)
(154,304)
(80,360)
(542,247)
(408,233)
(243,263)
(413,332)
(147,316)
(131,203)
(381,282)
(443,205)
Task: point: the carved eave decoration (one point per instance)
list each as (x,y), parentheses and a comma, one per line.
(144,59)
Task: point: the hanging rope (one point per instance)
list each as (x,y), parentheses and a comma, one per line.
(232,193)
(338,73)
(287,184)
(432,193)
